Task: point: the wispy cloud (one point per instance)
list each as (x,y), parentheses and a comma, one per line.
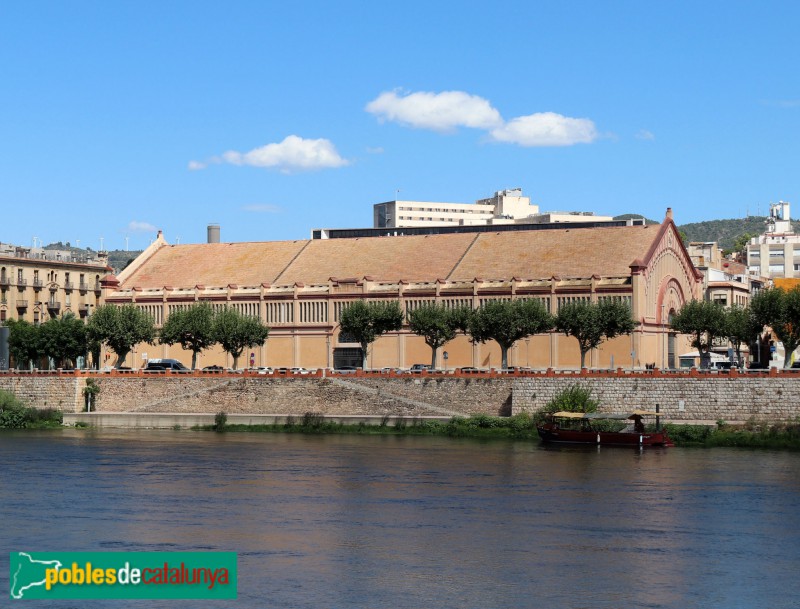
(546,129)
(444,111)
(291,155)
(644,134)
(140,227)
(262,208)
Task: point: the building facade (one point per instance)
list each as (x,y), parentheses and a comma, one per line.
(299,289)
(776,253)
(37,284)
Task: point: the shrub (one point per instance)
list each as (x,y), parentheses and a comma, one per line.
(575,398)
(313,420)
(220,421)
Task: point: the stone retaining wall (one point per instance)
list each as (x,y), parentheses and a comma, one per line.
(681,398)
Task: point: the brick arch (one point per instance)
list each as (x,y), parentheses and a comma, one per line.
(671,297)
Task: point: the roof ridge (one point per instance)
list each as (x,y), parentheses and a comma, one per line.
(288,264)
(463,254)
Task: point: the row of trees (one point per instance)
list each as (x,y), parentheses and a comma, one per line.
(774,308)
(195,328)
(504,322)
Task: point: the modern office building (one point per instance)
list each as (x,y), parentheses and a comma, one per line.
(505,207)
(299,289)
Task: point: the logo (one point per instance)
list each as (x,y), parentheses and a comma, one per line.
(107,575)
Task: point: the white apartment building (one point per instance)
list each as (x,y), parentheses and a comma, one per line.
(776,253)
(505,207)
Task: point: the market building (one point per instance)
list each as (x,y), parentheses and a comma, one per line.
(299,289)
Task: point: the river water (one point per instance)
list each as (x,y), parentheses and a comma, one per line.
(410,522)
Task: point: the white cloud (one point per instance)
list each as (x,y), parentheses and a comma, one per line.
(644,134)
(292,154)
(262,208)
(437,111)
(546,129)
(140,227)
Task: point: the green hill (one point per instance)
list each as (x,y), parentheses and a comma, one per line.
(724,232)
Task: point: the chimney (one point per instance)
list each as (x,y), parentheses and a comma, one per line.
(213,233)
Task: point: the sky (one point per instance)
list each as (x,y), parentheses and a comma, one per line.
(119,119)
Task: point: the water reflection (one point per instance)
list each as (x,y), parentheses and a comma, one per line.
(384,522)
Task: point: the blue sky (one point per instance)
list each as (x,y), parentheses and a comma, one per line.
(272,118)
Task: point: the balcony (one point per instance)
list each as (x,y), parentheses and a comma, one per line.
(83,287)
(54,306)
(22,282)
(68,286)
(98,287)
(5,281)
(22,304)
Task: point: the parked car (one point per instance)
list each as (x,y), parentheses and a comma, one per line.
(162,365)
(721,365)
(299,371)
(262,370)
(417,368)
(213,368)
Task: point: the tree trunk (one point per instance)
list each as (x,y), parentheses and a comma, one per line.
(194,360)
(364,347)
(503,357)
(583,359)
(120,359)
(433,358)
(235,362)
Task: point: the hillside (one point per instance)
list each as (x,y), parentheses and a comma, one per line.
(117,259)
(725,232)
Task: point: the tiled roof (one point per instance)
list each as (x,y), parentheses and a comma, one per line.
(216,264)
(567,252)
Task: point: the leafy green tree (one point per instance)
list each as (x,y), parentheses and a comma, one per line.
(366,321)
(121,328)
(24,343)
(702,319)
(594,322)
(741,326)
(192,329)
(780,310)
(64,339)
(505,322)
(236,332)
(437,324)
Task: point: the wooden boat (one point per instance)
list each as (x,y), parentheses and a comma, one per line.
(578,428)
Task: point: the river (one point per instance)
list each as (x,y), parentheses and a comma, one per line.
(416,522)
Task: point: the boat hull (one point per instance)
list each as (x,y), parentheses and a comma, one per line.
(555,434)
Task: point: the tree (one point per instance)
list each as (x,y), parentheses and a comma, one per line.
(64,339)
(437,324)
(741,326)
(505,322)
(780,310)
(366,321)
(24,343)
(236,332)
(594,322)
(192,329)
(121,328)
(704,320)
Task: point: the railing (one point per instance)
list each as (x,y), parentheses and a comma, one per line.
(37,284)
(5,281)
(22,304)
(98,287)
(83,286)
(21,281)
(68,285)
(54,306)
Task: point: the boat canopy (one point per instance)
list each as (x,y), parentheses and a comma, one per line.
(603,415)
